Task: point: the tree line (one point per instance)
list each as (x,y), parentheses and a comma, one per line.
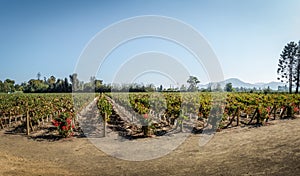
(65,85)
(53,85)
(289,66)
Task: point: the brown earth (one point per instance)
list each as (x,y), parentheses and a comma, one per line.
(267,150)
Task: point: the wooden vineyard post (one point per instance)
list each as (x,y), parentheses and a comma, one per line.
(258,118)
(104,124)
(145,130)
(172,120)
(9,120)
(237,117)
(27,122)
(255,112)
(289,111)
(230,122)
(282,112)
(274,112)
(1,124)
(181,125)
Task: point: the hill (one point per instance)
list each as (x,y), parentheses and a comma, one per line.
(238,83)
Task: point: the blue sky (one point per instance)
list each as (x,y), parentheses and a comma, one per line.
(48,36)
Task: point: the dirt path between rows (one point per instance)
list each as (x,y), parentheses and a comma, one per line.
(267,150)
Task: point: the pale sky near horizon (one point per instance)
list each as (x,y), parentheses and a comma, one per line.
(48,36)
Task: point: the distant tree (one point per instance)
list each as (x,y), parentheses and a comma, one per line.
(98,85)
(286,64)
(36,86)
(51,83)
(92,79)
(81,85)
(58,85)
(267,90)
(22,86)
(75,82)
(218,88)
(67,86)
(183,88)
(242,89)
(160,88)
(8,85)
(150,88)
(297,68)
(135,88)
(19,87)
(209,87)
(51,80)
(38,75)
(89,86)
(193,81)
(1,86)
(228,87)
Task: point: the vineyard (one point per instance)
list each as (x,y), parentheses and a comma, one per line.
(148,114)
(33,110)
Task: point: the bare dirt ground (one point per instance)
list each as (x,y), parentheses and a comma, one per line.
(267,150)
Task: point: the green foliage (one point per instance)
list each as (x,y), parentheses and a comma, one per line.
(193,81)
(228,87)
(40,106)
(7,86)
(289,65)
(104,107)
(213,107)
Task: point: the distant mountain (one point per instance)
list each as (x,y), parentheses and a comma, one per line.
(238,83)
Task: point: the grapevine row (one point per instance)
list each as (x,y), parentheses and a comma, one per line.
(39,106)
(216,109)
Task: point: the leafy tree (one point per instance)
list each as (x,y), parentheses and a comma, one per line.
(1,86)
(267,90)
(62,85)
(90,86)
(160,88)
(51,82)
(98,85)
(297,68)
(36,86)
(218,88)
(75,82)
(193,81)
(209,87)
(59,85)
(228,87)
(94,85)
(150,88)
(286,64)
(19,87)
(182,88)
(67,86)
(8,85)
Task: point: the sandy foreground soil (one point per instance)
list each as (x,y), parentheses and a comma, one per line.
(267,150)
